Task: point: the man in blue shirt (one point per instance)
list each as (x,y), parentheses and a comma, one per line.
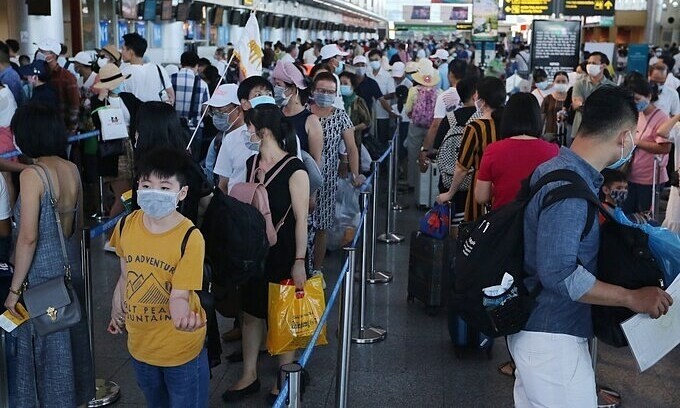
(554,368)
(8,76)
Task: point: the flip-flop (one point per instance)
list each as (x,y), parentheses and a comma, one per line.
(503,369)
(608,398)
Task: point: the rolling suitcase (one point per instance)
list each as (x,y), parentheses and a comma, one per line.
(428,271)
(428,186)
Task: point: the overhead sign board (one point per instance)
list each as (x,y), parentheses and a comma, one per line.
(588,7)
(528,7)
(555,45)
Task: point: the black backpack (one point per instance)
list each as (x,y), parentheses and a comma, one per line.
(493,245)
(624,260)
(235,239)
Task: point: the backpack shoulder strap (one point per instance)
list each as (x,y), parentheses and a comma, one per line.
(185,241)
(575,191)
(195,91)
(276,173)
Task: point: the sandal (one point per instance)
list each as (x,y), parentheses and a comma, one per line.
(507,369)
(607,398)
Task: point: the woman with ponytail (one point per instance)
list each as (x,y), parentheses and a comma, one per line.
(273,137)
(480,133)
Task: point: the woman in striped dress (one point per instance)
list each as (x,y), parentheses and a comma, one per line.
(478,135)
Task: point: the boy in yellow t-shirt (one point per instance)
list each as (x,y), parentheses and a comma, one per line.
(155,298)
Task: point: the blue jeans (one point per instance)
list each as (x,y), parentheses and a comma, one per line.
(184,386)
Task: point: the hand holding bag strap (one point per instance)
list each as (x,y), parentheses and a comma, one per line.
(53,203)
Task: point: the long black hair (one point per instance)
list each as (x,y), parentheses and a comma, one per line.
(492,91)
(521,116)
(158,126)
(269,116)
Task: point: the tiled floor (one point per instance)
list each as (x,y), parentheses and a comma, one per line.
(414,367)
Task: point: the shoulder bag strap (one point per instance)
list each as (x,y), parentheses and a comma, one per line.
(276,173)
(195,91)
(160,75)
(647,124)
(53,203)
(185,241)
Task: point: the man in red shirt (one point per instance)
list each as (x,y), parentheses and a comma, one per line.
(63,82)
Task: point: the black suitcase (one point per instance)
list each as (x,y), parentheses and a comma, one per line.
(428,271)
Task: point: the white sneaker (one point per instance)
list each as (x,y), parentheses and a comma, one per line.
(323,281)
(108,247)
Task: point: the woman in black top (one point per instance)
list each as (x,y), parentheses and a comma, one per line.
(288,192)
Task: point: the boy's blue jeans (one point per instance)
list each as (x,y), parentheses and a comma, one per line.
(184,386)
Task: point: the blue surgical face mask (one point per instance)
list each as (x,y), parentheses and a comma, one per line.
(247,139)
(642,105)
(259,100)
(375,65)
(361,71)
(324,100)
(623,160)
(543,85)
(157,203)
(619,196)
(222,122)
(279,94)
(346,90)
(340,68)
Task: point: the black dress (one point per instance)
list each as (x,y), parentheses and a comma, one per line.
(281,257)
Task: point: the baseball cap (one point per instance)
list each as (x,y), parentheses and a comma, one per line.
(441,54)
(84,57)
(224,95)
(37,67)
(398,69)
(329,51)
(51,45)
(359,59)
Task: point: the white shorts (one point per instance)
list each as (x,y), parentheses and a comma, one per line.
(553,370)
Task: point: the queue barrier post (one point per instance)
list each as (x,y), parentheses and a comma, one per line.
(293,374)
(4,387)
(106,392)
(390,237)
(345,332)
(100,215)
(375,277)
(393,199)
(366,334)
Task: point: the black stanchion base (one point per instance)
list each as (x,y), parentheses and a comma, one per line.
(379,277)
(390,238)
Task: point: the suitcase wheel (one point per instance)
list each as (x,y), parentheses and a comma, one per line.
(410,299)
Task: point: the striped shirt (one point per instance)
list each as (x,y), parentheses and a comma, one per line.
(478,135)
(190,93)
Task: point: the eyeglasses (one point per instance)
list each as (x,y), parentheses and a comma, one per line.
(217,112)
(325,91)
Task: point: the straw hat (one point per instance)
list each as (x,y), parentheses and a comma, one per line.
(426,75)
(411,67)
(111,51)
(110,77)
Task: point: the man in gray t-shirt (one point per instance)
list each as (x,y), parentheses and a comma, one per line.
(597,64)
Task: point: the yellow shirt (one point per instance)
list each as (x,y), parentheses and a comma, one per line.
(154,266)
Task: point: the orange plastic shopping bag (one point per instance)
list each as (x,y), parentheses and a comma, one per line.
(295,315)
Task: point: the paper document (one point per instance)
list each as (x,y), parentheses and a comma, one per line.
(651,339)
(9,322)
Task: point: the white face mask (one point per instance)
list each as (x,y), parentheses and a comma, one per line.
(593,69)
(560,87)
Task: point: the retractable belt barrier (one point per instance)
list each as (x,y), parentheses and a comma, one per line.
(290,398)
(72,139)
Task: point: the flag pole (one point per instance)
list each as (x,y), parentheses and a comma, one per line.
(233,54)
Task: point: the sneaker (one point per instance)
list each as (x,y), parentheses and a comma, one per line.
(108,247)
(323,281)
